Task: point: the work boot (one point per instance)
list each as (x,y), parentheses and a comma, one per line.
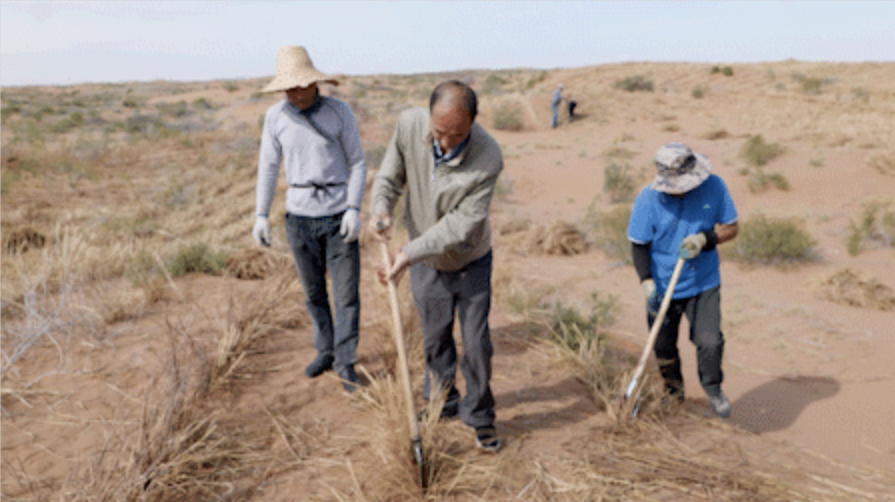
(720,404)
(349,378)
(486,439)
(324,362)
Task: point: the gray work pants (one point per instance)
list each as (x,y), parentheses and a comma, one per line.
(704,314)
(438,295)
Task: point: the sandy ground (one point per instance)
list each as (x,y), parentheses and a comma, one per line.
(811,381)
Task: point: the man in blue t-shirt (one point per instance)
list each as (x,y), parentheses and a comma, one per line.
(685,212)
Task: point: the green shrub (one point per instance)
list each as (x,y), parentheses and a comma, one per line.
(7,180)
(618,183)
(697,92)
(178,109)
(727,71)
(634,83)
(231,87)
(197,258)
(779,241)
(203,104)
(144,124)
(757,152)
(130,102)
(507,117)
(877,225)
(535,80)
(573,330)
(760,181)
(610,231)
(493,84)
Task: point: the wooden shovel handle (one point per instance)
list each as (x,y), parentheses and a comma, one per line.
(398,332)
(654,332)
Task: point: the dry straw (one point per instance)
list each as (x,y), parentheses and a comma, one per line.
(857,289)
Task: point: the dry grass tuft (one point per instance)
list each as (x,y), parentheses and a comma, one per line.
(453,465)
(257,263)
(23,240)
(560,238)
(715,134)
(883,162)
(857,289)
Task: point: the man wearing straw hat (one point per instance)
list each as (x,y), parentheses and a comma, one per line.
(317,140)
(446,165)
(685,213)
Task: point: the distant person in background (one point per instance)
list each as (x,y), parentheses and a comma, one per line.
(685,213)
(572,105)
(557,100)
(446,165)
(318,141)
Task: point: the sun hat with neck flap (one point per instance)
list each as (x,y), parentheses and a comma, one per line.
(680,169)
(295,69)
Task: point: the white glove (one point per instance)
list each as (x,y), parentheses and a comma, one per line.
(691,246)
(350,225)
(651,295)
(261,232)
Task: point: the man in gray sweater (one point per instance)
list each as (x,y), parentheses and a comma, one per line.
(317,140)
(448,166)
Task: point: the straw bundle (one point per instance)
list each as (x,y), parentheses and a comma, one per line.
(858,289)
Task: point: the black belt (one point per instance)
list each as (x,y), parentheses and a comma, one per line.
(319,187)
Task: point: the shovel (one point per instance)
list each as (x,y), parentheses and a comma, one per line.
(405,370)
(634,386)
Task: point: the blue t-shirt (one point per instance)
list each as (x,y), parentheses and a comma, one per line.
(663,221)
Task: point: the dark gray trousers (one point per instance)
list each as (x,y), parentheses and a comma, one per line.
(703,312)
(438,295)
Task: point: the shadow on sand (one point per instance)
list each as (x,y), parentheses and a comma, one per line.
(776,405)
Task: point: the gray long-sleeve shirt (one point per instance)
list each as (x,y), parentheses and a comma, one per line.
(332,159)
(446,210)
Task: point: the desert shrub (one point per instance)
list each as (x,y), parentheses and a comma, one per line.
(779,241)
(727,71)
(618,183)
(715,134)
(697,92)
(634,83)
(131,102)
(203,104)
(610,231)
(67,124)
(883,162)
(760,181)
(876,226)
(758,152)
(573,329)
(231,87)
(508,117)
(493,84)
(178,109)
(143,124)
(535,80)
(197,258)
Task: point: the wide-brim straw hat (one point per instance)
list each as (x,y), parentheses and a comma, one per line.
(295,69)
(680,169)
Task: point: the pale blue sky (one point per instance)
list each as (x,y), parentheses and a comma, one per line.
(73,42)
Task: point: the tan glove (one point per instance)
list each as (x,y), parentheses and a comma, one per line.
(651,295)
(691,246)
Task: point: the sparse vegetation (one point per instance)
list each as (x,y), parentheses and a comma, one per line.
(618,183)
(776,241)
(876,227)
(634,83)
(715,134)
(697,92)
(610,231)
(197,258)
(508,116)
(760,181)
(727,71)
(758,152)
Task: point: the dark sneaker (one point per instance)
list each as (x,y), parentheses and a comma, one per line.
(486,439)
(674,398)
(720,404)
(349,378)
(319,366)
